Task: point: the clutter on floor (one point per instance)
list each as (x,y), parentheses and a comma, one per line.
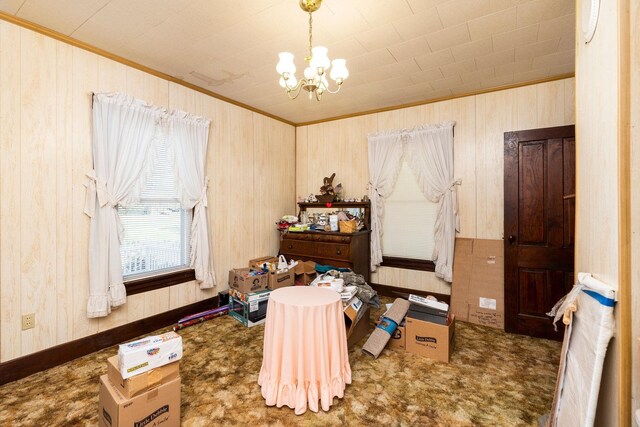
(386,327)
(203,316)
(477,290)
(419,325)
(222,358)
(250,308)
(142,384)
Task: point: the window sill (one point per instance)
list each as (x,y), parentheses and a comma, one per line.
(146,284)
(408,263)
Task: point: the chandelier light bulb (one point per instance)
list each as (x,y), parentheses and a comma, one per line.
(286,65)
(289,83)
(309,73)
(339,70)
(319,58)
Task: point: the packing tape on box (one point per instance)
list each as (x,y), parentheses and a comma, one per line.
(382,334)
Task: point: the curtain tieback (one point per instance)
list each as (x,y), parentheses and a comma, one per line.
(453,184)
(203,196)
(96,189)
(454,196)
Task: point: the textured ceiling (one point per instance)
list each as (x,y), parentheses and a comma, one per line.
(397,51)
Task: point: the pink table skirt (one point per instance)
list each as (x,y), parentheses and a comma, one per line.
(305,357)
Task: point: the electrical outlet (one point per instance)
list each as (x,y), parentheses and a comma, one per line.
(28,321)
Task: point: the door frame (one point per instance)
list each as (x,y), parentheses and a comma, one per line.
(511,179)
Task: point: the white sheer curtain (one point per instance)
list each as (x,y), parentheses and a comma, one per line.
(385,156)
(124,134)
(187,143)
(429,151)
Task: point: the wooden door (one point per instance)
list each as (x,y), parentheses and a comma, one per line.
(539,212)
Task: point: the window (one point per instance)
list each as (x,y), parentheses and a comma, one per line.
(408,225)
(157,229)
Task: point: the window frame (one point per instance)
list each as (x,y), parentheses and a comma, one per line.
(408,263)
(159,281)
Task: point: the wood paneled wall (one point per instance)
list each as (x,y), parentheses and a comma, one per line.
(481,120)
(597,198)
(45,150)
(635,200)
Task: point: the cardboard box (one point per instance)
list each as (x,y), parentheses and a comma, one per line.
(256,263)
(280,280)
(477,293)
(353,311)
(360,329)
(304,272)
(429,339)
(150,352)
(398,339)
(462,258)
(160,406)
(486,287)
(240,280)
(141,383)
(249,309)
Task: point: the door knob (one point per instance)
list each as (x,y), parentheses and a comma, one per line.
(512,238)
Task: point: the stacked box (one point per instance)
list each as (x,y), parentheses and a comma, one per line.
(147,353)
(247,280)
(160,406)
(142,384)
(250,309)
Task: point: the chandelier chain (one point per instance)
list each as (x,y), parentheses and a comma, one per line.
(310,35)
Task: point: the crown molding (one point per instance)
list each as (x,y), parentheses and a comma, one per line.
(444,98)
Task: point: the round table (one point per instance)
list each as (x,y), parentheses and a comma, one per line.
(305,356)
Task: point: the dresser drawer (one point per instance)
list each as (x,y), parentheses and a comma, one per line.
(315,249)
(318,237)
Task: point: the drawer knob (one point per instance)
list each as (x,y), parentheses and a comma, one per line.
(338,252)
(290,246)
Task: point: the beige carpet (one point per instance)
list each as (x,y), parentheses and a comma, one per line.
(494,379)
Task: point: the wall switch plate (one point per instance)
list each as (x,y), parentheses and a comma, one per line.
(28,321)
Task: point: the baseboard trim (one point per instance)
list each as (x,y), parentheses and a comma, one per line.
(397,292)
(22,367)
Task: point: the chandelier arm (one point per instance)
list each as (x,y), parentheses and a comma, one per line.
(326,88)
(295,89)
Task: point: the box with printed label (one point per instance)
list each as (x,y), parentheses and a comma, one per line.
(247,280)
(249,309)
(159,406)
(280,280)
(138,384)
(148,353)
(430,339)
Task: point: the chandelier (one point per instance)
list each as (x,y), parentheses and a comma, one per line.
(315,74)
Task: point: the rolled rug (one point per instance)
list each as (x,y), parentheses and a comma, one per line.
(385,328)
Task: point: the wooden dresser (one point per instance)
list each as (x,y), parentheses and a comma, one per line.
(349,250)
